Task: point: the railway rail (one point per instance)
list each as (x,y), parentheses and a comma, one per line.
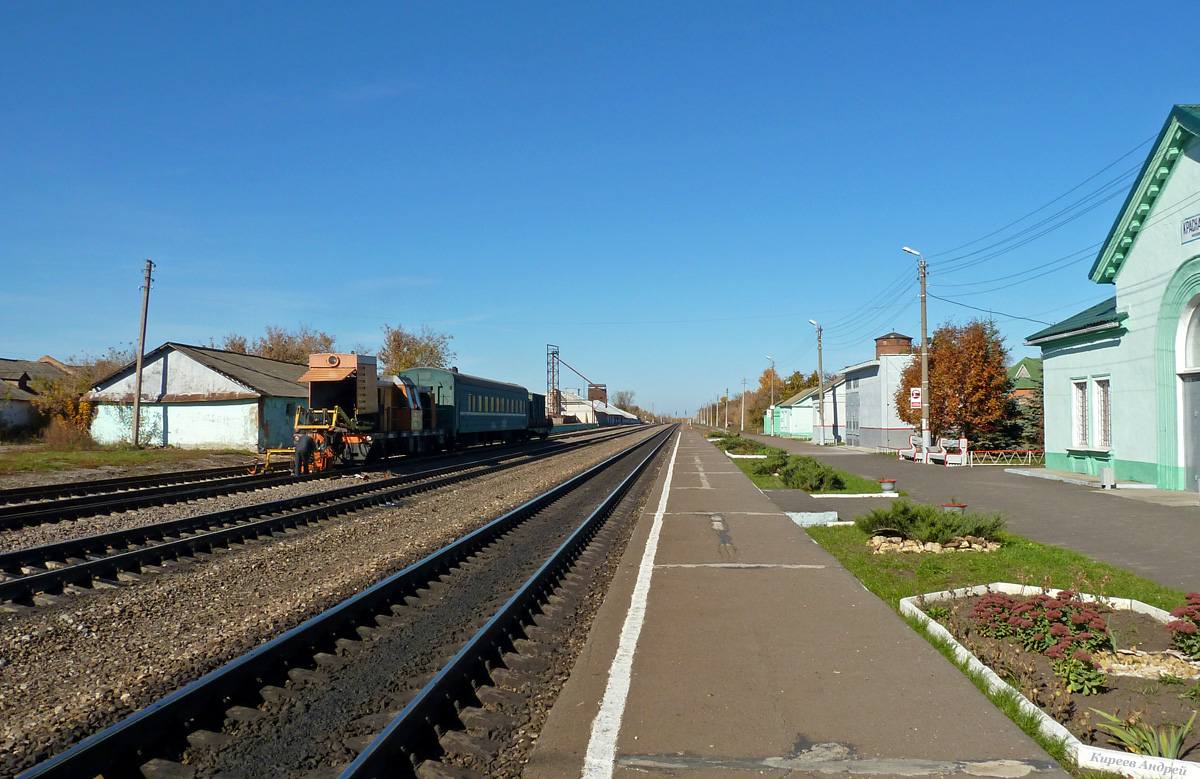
(37,575)
(344,638)
(29,506)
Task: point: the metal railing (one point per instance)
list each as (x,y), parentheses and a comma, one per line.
(1032,457)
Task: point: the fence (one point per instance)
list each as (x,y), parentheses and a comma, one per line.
(1008,457)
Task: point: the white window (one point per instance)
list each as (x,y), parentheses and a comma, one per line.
(1080,403)
(1103,415)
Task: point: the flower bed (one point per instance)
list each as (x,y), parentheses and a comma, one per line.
(1058,648)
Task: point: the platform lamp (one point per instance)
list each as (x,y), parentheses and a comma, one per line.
(820,382)
(925,438)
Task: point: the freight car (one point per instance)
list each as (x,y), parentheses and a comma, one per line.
(354,415)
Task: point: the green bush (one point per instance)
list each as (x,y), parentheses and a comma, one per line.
(925,523)
(810,474)
(776,460)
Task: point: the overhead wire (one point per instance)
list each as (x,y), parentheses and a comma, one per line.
(1045,205)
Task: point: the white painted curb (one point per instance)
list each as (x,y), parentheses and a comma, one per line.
(1083,755)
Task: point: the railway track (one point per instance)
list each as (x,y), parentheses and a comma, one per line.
(356,678)
(30,506)
(38,575)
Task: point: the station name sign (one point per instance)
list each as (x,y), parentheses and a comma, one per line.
(1191,228)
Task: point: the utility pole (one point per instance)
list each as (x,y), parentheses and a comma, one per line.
(925,437)
(743,405)
(727,407)
(137,381)
(772,359)
(820,383)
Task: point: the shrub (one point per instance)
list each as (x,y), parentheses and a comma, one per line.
(776,459)
(810,474)
(925,523)
(1185,629)
(1062,628)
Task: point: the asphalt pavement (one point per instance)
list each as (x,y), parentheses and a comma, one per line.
(1126,527)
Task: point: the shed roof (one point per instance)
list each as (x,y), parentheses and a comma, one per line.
(272,378)
(1101,316)
(36,369)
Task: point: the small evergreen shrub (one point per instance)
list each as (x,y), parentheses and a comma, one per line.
(925,523)
(810,474)
(776,460)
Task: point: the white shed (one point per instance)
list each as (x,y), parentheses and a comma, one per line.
(200,398)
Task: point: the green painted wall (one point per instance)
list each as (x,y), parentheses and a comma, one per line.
(1155,288)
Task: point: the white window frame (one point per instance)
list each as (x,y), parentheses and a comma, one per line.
(1102,403)
(1079,414)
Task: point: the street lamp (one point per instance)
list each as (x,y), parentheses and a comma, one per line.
(772,359)
(820,381)
(925,438)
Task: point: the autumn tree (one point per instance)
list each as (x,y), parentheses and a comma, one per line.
(404,349)
(624,400)
(281,344)
(797,382)
(62,397)
(970,392)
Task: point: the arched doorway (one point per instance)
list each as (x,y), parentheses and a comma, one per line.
(1187,361)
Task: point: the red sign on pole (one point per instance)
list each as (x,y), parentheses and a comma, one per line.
(914,397)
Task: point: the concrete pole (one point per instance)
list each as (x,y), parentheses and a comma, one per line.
(137,381)
(743,405)
(727,407)
(925,437)
(820,385)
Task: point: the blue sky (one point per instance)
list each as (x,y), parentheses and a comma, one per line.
(667,191)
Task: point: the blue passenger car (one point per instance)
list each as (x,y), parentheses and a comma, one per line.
(473,410)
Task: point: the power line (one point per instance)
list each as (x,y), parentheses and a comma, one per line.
(988,310)
(1018,221)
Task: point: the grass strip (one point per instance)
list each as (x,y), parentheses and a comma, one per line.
(1019,560)
(46,460)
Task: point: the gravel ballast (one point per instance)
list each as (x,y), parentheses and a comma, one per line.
(74,668)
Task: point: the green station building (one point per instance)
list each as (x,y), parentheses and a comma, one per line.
(1122,379)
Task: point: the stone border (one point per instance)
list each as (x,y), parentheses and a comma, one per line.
(896,544)
(1083,755)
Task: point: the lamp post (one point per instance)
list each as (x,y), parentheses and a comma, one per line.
(772,359)
(921,272)
(820,382)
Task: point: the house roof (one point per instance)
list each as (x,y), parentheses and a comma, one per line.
(1026,373)
(272,378)
(1101,316)
(1182,125)
(799,396)
(36,369)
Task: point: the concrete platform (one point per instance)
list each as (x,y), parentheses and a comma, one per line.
(732,645)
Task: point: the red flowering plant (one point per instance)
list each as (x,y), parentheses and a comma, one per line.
(1062,628)
(1185,629)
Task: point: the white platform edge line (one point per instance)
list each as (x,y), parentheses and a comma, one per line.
(602,745)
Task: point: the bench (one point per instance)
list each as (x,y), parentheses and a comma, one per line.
(911,452)
(961,457)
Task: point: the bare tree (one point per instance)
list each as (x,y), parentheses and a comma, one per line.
(624,400)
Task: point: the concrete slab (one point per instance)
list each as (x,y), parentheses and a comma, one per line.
(759,653)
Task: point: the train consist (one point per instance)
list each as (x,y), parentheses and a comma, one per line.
(355,415)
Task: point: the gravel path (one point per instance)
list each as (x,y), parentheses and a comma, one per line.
(74,668)
(38,535)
